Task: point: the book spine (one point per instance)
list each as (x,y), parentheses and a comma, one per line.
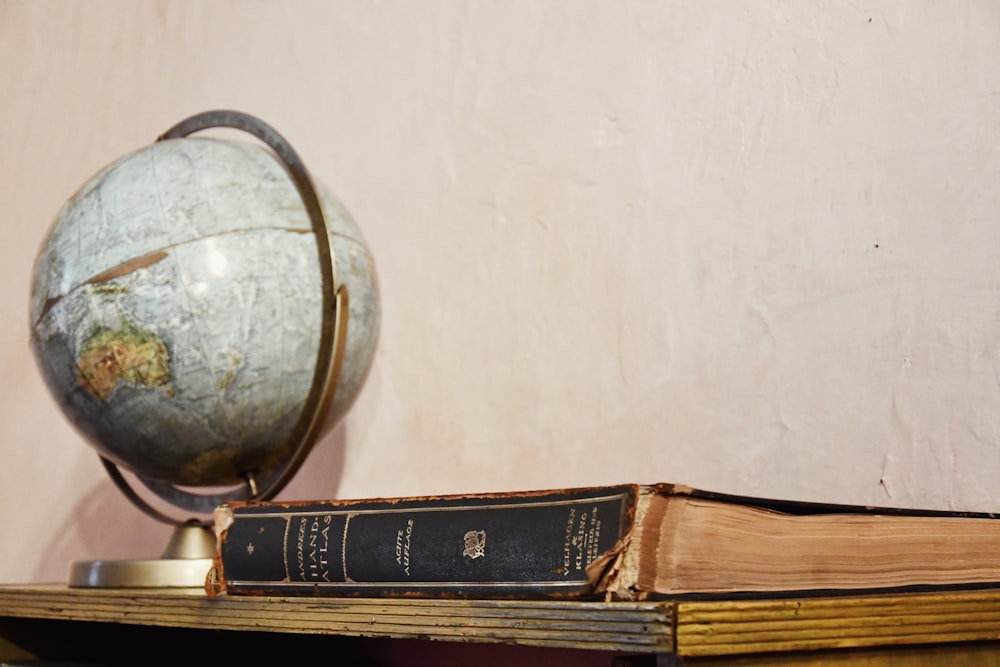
(524,545)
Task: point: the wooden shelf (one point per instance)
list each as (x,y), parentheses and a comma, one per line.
(695,629)
(592,625)
(755,626)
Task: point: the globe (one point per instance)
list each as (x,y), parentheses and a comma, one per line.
(178,310)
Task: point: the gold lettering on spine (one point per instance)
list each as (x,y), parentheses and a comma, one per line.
(284,547)
(313,529)
(325,548)
(579,542)
(312,548)
(582,540)
(406,547)
(568,543)
(593,537)
(300,549)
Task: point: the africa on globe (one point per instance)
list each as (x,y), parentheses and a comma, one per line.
(177,307)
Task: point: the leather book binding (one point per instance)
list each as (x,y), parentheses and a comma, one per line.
(625,542)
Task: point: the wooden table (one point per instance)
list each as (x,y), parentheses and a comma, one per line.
(102,625)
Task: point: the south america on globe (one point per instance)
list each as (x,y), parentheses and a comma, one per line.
(176,310)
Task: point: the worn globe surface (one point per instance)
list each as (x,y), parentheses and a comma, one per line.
(176,310)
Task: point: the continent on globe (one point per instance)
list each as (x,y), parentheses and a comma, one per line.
(109,357)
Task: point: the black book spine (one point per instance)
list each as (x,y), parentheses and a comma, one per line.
(514,545)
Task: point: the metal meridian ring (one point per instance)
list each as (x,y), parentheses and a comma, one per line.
(329,358)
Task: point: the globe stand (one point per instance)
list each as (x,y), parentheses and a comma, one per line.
(184,564)
(187,560)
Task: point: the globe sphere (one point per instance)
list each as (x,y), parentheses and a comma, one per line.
(177,305)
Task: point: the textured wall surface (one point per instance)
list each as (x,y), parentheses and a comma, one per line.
(751,247)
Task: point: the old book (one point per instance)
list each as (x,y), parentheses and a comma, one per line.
(533,544)
(625,542)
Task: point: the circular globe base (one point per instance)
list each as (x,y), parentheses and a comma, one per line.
(157,573)
(185,564)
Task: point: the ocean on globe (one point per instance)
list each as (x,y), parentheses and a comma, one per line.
(176,310)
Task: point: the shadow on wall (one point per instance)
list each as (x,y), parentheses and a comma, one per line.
(320,474)
(104,525)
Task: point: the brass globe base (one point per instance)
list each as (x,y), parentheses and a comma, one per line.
(184,564)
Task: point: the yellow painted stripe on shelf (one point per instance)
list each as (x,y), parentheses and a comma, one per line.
(745,626)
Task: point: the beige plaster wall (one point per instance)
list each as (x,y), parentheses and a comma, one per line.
(746,246)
